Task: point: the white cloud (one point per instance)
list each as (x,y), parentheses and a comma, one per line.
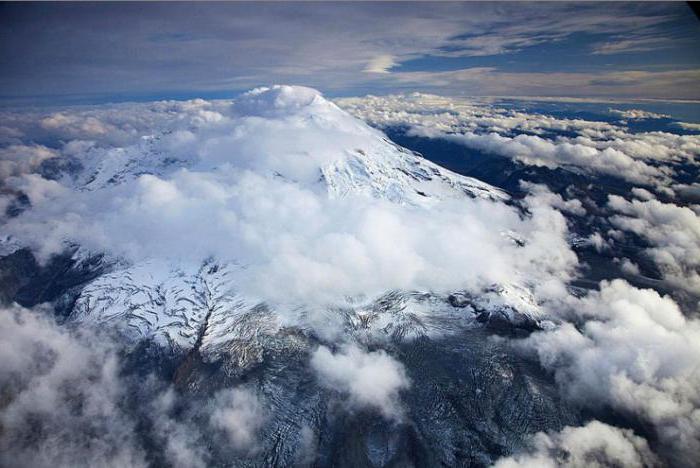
(598,242)
(36,188)
(80,127)
(537,151)
(16,159)
(308,446)
(638,114)
(313,227)
(380,64)
(686,192)
(240,414)
(247,165)
(650,147)
(326,46)
(547,198)
(643,194)
(634,44)
(69,401)
(491,81)
(593,445)
(154,217)
(634,351)
(370,379)
(63,398)
(673,232)
(629,267)
(182,444)
(456,114)
(688,125)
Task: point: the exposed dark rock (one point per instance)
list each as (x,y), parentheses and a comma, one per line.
(458,300)
(25,281)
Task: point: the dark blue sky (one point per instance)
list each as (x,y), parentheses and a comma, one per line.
(96,52)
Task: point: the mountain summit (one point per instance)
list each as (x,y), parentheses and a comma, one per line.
(268,210)
(291,132)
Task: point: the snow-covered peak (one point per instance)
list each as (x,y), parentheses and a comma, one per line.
(279,202)
(288,132)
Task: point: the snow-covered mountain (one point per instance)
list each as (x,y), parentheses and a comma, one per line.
(283,136)
(276,242)
(289,132)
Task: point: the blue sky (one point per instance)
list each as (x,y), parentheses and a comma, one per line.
(53,53)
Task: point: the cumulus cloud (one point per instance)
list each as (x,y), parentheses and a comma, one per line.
(315,206)
(629,267)
(308,446)
(687,192)
(652,148)
(642,194)
(593,445)
(537,151)
(597,241)
(18,159)
(78,126)
(370,379)
(181,442)
(673,233)
(74,129)
(153,217)
(638,114)
(546,198)
(633,350)
(455,114)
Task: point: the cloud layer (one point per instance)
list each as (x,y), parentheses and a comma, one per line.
(64,398)
(633,350)
(596,147)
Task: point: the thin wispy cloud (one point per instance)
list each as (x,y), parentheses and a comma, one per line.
(108,52)
(641,44)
